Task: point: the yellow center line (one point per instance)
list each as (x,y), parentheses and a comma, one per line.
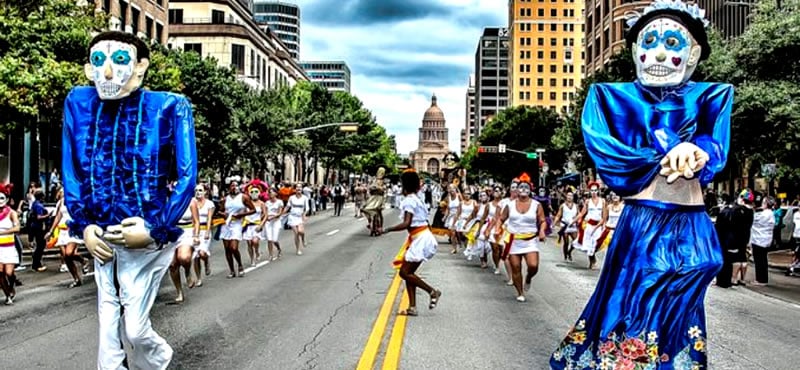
(392,359)
(372,348)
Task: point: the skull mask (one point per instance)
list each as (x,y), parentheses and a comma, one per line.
(115,68)
(665,53)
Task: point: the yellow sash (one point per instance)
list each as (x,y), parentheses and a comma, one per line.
(472,233)
(6,240)
(401,254)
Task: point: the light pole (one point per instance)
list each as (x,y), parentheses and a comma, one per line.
(343,126)
(543,176)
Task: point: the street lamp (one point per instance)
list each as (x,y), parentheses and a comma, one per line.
(343,126)
(542,178)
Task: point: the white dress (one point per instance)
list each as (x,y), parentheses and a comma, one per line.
(297,208)
(480,246)
(523,223)
(467,208)
(205,243)
(568,218)
(273,228)
(592,230)
(232,228)
(251,225)
(452,209)
(488,223)
(63,232)
(8,251)
(185,223)
(423,245)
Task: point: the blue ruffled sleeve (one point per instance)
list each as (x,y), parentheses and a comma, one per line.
(73,175)
(186,167)
(625,166)
(714,129)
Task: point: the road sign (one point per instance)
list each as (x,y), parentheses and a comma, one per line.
(532,155)
(501,148)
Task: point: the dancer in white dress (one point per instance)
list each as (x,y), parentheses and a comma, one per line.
(492,211)
(590,221)
(476,245)
(185,249)
(420,246)
(451,215)
(566,221)
(9,227)
(273,225)
(205,214)
(66,243)
(465,218)
(252,226)
(526,224)
(611,214)
(297,207)
(236,206)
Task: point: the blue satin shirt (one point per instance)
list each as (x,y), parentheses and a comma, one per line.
(120,156)
(628,128)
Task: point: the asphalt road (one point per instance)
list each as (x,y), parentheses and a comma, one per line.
(328,309)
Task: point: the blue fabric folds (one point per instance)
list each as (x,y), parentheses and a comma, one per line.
(628,128)
(647,310)
(120,156)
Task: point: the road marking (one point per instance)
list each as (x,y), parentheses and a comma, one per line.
(332,232)
(258,265)
(376,336)
(392,359)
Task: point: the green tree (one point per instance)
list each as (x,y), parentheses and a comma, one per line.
(42,53)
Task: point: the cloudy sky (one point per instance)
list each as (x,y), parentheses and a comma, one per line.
(400,52)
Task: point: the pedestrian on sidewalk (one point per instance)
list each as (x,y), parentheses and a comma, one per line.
(9,227)
(761,239)
(338,199)
(420,246)
(37,216)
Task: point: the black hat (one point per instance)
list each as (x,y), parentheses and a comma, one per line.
(694,25)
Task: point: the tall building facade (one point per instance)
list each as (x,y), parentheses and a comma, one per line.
(491,76)
(729,17)
(332,75)
(143,18)
(546,52)
(469,133)
(283,18)
(226,31)
(433,141)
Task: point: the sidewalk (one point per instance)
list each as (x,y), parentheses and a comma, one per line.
(786,288)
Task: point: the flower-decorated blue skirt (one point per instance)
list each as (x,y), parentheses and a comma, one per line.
(647,310)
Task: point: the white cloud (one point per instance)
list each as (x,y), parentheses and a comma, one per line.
(396,65)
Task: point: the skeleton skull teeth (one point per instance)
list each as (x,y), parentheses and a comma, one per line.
(659,70)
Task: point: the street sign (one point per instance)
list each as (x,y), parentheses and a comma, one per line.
(501,148)
(532,155)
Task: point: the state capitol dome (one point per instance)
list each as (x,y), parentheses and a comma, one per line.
(434,113)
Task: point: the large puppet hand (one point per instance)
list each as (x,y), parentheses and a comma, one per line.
(683,160)
(131,233)
(92,238)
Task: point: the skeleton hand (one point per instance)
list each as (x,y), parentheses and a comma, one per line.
(131,233)
(683,160)
(92,238)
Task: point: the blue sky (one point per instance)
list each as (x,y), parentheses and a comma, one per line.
(400,52)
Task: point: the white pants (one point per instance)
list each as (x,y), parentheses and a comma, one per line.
(138,273)
(273,229)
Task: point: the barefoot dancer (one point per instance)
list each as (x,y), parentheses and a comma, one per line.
(205,213)
(526,222)
(566,220)
(591,220)
(253,223)
(236,206)
(273,226)
(69,245)
(9,227)
(493,210)
(190,224)
(297,207)
(420,245)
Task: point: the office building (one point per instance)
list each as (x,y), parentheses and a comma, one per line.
(226,31)
(469,133)
(143,18)
(283,18)
(491,77)
(333,75)
(729,17)
(546,52)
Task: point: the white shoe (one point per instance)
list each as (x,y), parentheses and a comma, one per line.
(510,282)
(299,253)
(521,298)
(63,268)
(497,271)
(469,258)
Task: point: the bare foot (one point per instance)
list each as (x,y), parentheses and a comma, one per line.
(199,283)
(192,283)
(179,299)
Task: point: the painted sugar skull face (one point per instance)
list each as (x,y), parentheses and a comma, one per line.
(665,53)
(115,69)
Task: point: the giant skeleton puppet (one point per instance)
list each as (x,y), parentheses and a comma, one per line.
(123,145)
(656,142)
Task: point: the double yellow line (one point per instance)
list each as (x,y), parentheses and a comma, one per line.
(391,359)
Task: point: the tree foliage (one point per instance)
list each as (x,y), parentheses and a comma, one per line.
(238,129)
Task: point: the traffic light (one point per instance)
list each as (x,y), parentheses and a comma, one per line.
(481,149)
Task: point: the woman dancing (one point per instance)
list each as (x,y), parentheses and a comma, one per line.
(236,206)
(252,229)
(566,218)
(184,251)
(272,227)
(420,246)
(9,227)
(205,215)
(67,244)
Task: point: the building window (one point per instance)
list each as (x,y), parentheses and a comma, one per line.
(553,12)
(553,27)
(521,95)
(175,16)
(539,96)
(197,48)
(553,41)
(553,55)
(527,95)
(540,12)
(552,95)
(568,55)
(252,62)
(539,82)
(540,54)
(540,27)
(135,20)
(553,68)
(528,68)
(553,82)
(159,32)
(237,57)
(521,81)
(107,6)
(217,17)
(521,68)
(540,41)
(123,14)
(564,95)
(148,27)
(540,68)
(527,83)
